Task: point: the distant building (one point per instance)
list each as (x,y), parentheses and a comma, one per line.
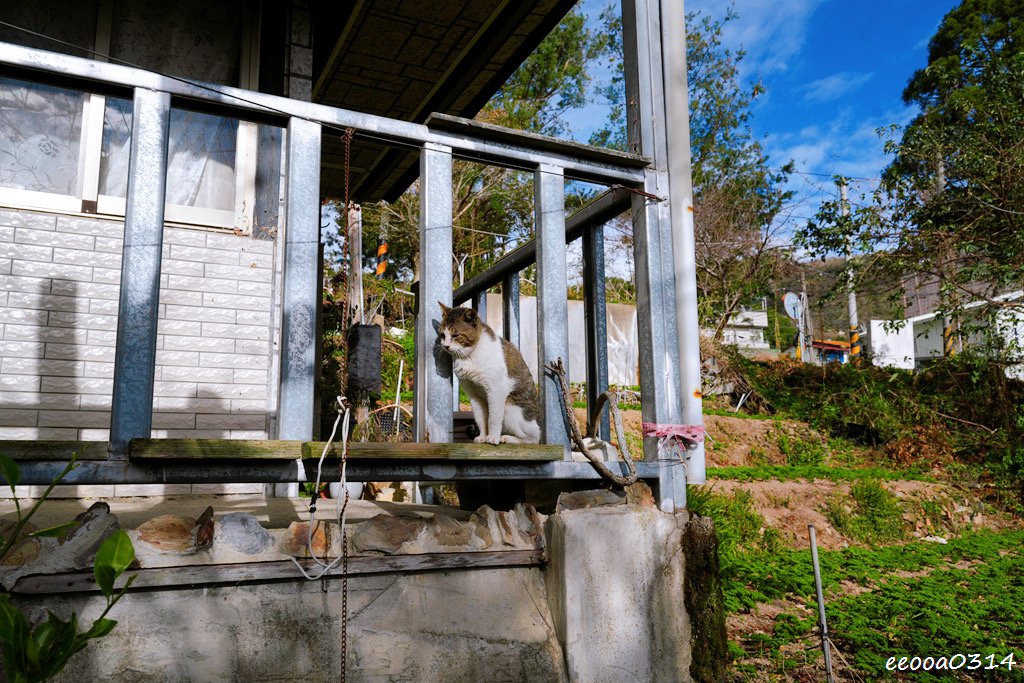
(746,330)
(914,342)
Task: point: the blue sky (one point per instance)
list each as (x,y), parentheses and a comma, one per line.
(834,71)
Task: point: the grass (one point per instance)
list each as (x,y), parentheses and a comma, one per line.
(812,472)
(920,602)
(874,516)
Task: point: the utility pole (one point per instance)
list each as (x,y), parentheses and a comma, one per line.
(854,326)
(805,319)
(948,348)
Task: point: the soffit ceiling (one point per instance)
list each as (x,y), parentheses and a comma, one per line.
(406,59)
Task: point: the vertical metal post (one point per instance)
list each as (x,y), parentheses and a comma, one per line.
(595,313)
(552,298)
(852,293)
(301,281)
(659,352)
(510,307)
(131,415)
(677,110)
(480,304)
(821,605)
(433,390)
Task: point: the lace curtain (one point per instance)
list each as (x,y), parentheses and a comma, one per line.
(41,126)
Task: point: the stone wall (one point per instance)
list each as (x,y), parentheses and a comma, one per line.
(59,289)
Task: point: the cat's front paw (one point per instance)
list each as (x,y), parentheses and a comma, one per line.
(493,440)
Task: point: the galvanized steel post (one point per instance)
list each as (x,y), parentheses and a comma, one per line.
(510,307)
(301,281)
(596,315)
(433,395)
(131,415)
(656,319)
(552,298)
(677,111)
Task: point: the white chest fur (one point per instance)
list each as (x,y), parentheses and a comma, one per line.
(485,367)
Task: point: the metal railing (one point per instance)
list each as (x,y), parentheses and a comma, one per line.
(441,139)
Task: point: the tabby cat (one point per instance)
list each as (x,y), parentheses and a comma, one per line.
(494,376)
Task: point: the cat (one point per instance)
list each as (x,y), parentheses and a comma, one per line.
(494,376)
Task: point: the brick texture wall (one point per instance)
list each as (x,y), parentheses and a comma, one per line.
(59,286)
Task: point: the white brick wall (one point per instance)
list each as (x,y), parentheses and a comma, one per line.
(59,288)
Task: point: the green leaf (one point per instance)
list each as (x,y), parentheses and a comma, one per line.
(13,627)
(55,531)
(10,471)
(113,557)
(99,629)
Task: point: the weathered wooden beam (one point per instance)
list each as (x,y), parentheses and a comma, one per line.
(187,449)
(228,449)
(278,570)
(437,451)
(54,450)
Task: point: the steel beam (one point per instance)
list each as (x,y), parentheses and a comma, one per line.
(42,472)
(486,146)
(595,313)
(655,286)
(598,212)
(510,307)
(480,304)
(301,282)
(131,413)
(552,298)
(433,391)
(677,110)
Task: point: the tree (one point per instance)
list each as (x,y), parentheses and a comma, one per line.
(493,207)
(950,206)
(738,197)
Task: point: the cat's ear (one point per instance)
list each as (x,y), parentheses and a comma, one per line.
(470,315)
(444,309)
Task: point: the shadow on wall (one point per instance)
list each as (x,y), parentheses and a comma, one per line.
(57,363)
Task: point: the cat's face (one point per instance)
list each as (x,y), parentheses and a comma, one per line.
(460,330)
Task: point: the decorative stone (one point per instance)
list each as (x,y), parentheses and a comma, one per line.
(80,546)
(385,533)
(326,540)
(26,550)
(639,493)
(204,528)
(578,500)
(485,531)
(447,532)
(170,534)
(531,525)
(243,532)
(508,528)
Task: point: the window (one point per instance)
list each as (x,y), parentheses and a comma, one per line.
(68,151)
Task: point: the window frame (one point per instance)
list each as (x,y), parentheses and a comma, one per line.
(88,200)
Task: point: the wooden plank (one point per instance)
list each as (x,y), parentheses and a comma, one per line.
(279,570)
(54,450)
(227,449)
(224,449)
(438,451)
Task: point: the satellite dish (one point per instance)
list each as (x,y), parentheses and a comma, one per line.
(791,302)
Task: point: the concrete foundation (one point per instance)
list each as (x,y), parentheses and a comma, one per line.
(610,605)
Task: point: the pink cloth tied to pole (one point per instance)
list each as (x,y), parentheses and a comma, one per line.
(670,436)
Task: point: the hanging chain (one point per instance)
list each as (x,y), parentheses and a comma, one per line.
(346,255)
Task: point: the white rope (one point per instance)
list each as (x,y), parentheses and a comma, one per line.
(342,504)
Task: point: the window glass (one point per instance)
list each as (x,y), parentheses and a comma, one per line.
(200,156)
(40,137)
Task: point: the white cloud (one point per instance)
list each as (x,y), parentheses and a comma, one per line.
(771,32)
(835,86)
